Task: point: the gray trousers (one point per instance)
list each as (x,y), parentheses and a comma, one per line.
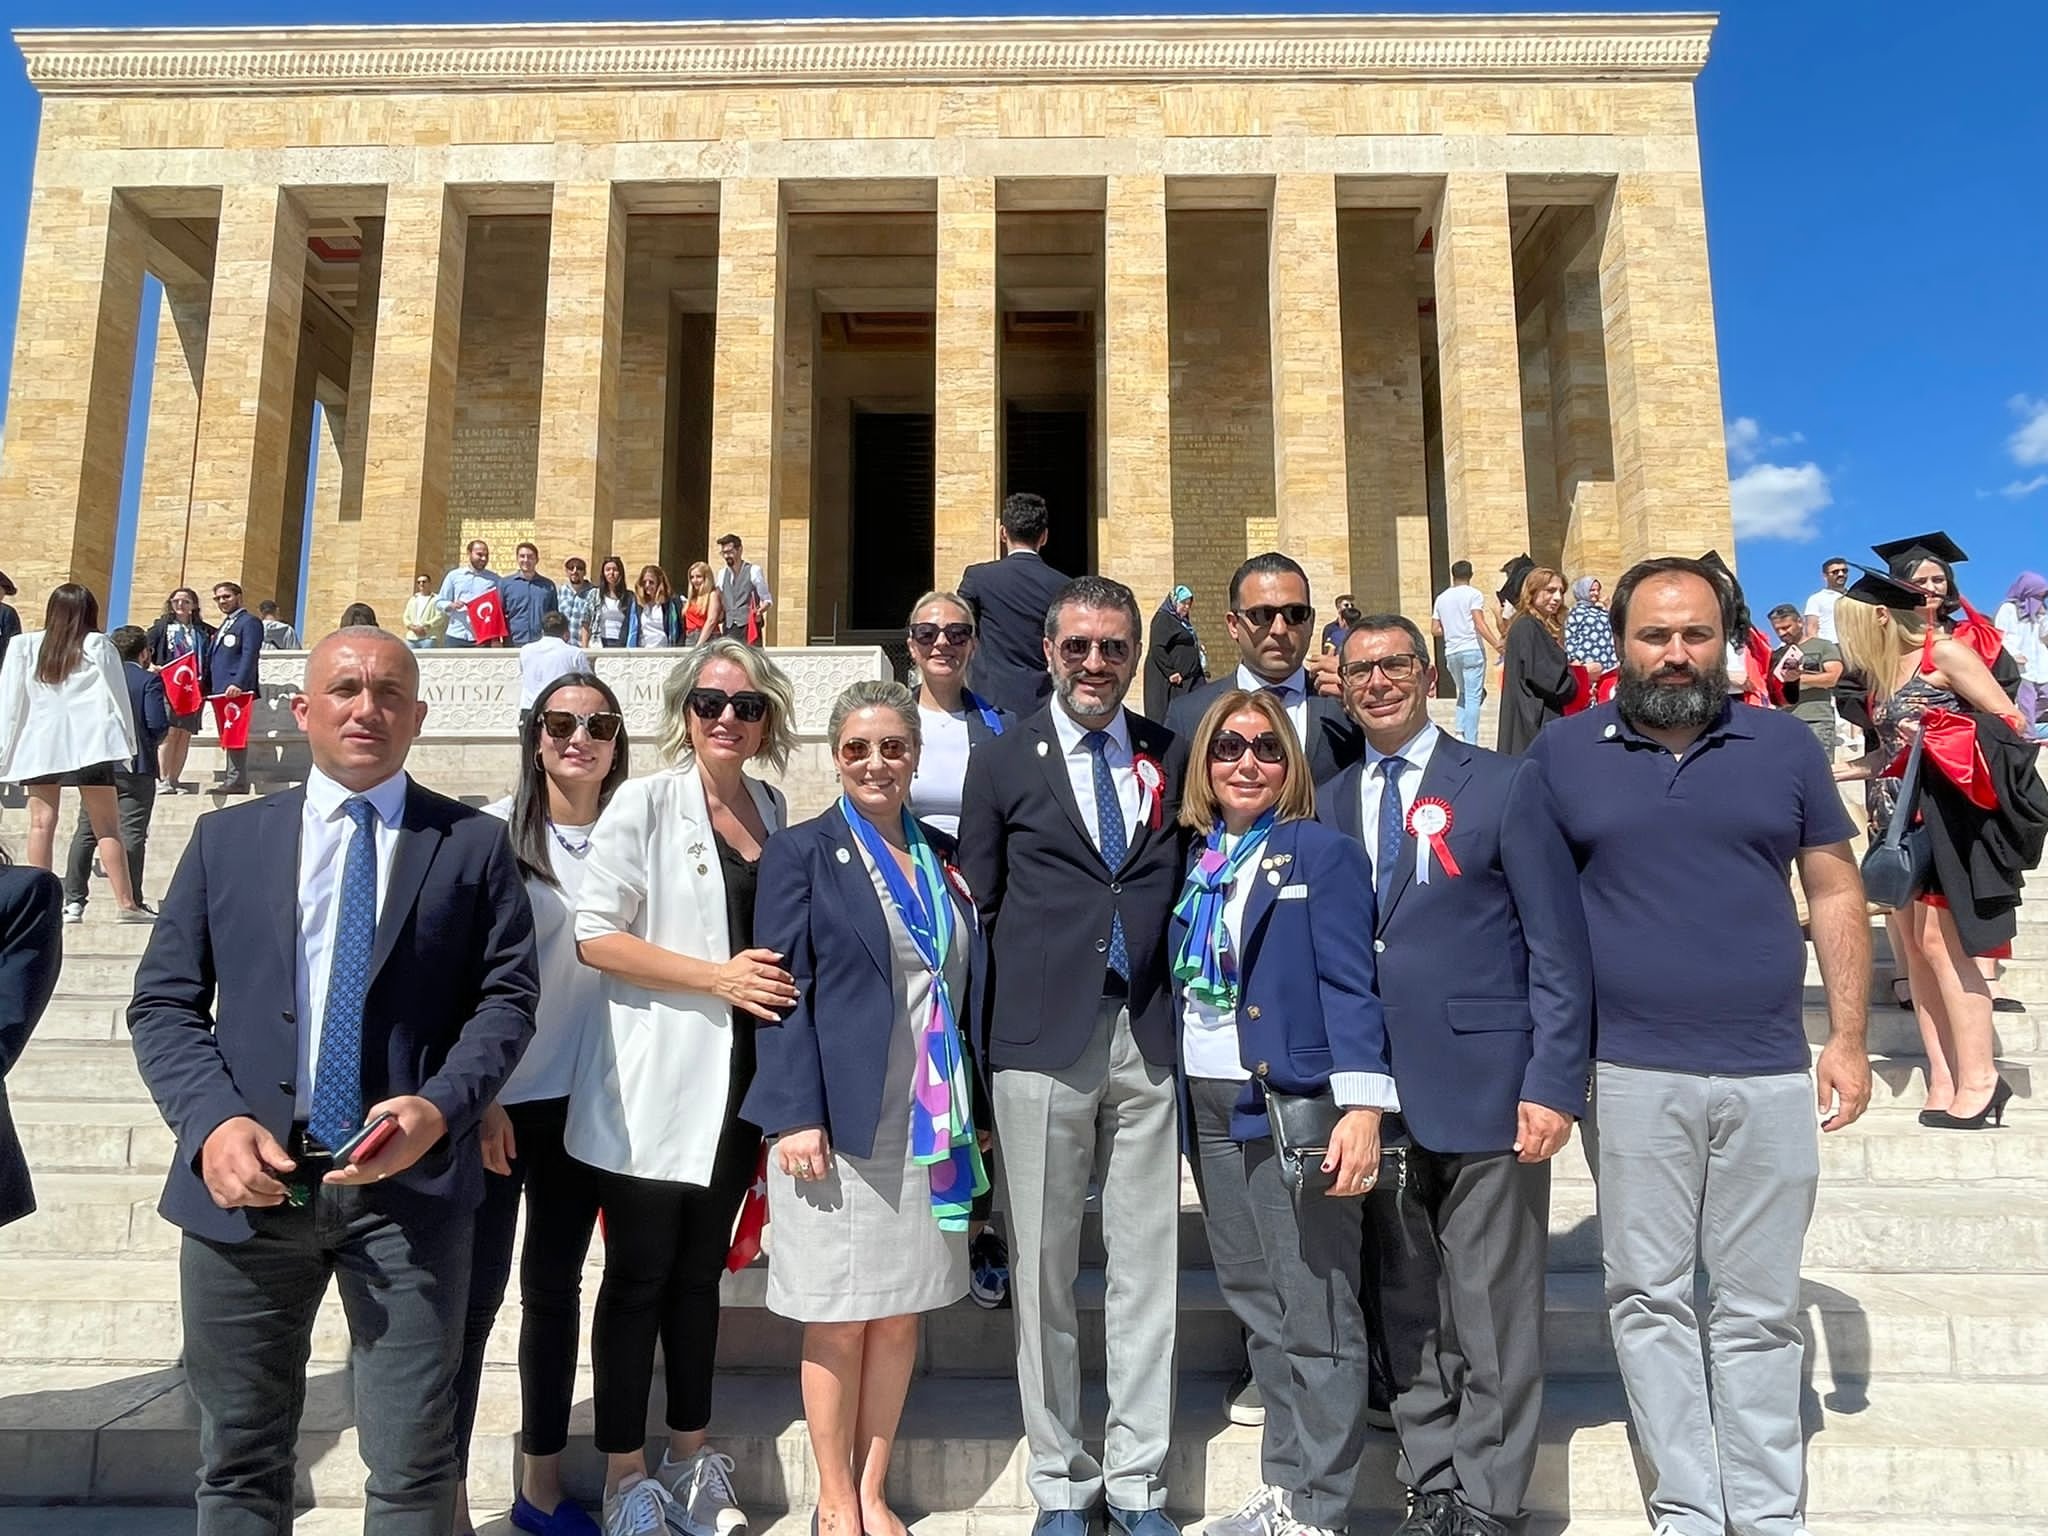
(1112,1116)
(1290,1274)
(135,795)
(249,1310)
(1716,1173)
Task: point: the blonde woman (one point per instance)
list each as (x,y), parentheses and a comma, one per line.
(704,612)
(654,618)
(1536,679)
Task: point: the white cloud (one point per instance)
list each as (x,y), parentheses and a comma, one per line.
(1743,436)
(2029,443)
(2018,489)
(1779,501)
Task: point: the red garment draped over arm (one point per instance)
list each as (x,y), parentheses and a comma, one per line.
(1952,747)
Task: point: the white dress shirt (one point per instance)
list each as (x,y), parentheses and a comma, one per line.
(542,661)
(1416,754)
(1292,692)
(571,993)
(1081,770)
(325,833)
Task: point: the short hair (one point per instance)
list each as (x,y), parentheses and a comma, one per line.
(1461,570)
(1345,597)
(359,615)
(778,740)
(874,693)
(527,544)
(1271,563)
(554,624)
(1382,623)
(1093,592)
(1198,807)
(472,544)
(1784,611)
(131,642)
(1669,565)
(953,598)
(1026,516)
(368,634)
(267,606)
(233,586)
(1834,560)
(731,538)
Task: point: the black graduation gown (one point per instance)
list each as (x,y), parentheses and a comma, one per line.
(1172,648)
(1536,684)
(1981,858)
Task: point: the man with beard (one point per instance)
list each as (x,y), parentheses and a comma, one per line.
(1684,810)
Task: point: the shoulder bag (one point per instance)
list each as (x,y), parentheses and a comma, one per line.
(1896,869)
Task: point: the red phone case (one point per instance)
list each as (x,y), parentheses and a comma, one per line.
(373,1143)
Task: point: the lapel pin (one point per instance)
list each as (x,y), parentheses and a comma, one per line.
(697,850)
(1608,733)
(843,856)
(1042,749)
(1282,860)
(703,869)
(1273,877)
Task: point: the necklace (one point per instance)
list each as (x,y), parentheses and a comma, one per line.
(575,847)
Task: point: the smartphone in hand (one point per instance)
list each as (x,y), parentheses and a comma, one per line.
(367,1142)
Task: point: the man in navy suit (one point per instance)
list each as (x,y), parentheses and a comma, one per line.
(134,781)
(1273,620)
(232,670)
(1068,842)
(1009,598)
(1486,977)
(324,957)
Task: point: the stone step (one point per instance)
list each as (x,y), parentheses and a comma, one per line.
(1924,1450)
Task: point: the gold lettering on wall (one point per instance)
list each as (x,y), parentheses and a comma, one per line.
(490,488)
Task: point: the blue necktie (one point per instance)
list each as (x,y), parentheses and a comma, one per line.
(338,1078)
(1109,820)
(1392,825)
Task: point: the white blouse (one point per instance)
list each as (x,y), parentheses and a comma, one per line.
(58,728)
(571,993)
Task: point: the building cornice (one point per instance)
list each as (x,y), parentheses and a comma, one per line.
(564,56)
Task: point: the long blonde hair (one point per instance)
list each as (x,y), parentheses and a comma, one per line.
(1872,640)
(1525,605)
(699,602)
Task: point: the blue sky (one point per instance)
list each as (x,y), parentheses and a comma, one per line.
(1877,210)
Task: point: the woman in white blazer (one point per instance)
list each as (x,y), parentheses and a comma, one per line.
(66,720)
(666,912)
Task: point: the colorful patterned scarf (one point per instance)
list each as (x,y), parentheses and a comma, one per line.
(1205,963)
(942,1136)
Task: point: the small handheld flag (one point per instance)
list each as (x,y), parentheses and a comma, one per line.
(182,691)
(231,717)
(487,617)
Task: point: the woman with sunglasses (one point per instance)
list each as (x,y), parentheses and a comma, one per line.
(423,619)
(867,1089)
(952,719)
(1271,945)
(572,758)
(179,631)
(666,912)
(654,618)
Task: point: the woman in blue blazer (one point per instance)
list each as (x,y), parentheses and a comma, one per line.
(866,1088)
(1274,991)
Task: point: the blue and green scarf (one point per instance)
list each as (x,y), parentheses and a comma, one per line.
(1205,965)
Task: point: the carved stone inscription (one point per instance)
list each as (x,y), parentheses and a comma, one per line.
(490,486)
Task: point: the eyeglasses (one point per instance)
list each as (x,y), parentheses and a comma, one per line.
(710,703)
(1398,667)
(1262,615)
(1075,648)
(560,724)
(856,750)
(928,634)
(1228,747)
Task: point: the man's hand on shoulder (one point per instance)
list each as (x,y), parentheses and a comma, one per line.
(420,1125)
(238,1161)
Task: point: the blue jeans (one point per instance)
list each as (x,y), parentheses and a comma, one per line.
(1469,668)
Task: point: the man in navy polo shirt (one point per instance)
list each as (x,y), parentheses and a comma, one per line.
(1684,811)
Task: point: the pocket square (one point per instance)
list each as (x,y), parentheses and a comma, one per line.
(1292,893)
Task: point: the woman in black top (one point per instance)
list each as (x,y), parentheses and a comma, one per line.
(1536,681)
(1173,658)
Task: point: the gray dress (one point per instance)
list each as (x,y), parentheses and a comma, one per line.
(862,1242)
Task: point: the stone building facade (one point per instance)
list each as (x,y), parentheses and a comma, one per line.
(1383,292)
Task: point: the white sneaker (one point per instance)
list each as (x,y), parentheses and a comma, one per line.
(1257,1516)
(1289,1526)
(74,911)
(638,1509)
(704,1503)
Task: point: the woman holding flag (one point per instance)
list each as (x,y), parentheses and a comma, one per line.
(180,633)
(871,1098)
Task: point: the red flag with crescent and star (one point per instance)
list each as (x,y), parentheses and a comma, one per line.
(182,691)
(487,617)
(231,717)
(753,1220)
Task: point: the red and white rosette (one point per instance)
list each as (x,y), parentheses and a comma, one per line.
(1430,821)
(959,883)
(1152,784)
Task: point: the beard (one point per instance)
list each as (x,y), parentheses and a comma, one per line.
(1673,697)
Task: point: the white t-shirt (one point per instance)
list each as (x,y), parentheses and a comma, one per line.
(612,618)
(1821,606)
(1454,610)
(571,993)
(941,769)
(542,661)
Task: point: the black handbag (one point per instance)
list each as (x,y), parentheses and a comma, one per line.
(1897,869)
(1302,1125)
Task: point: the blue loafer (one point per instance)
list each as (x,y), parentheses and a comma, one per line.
(1061,1522)
(1140,1522)
(568,1519)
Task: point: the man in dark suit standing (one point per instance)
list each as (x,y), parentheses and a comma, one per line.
(31,954)
(1272,619)
(357,948)
(1009,598)
(134,781)
(1486,976)
(1068,840)
(232,670)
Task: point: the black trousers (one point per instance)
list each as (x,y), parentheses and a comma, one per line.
(135,794)
(664,1253)
(561,1211)
(1462,1254)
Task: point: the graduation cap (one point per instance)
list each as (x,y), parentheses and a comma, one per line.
(1907,553)
(1881,589)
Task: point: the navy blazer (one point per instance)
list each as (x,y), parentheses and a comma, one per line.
(1487,977)
(449,1011)
(231,658)
(824,1065)
(1333,741)
(152,716)
(1308,1004)
(31,953)
(1010,597)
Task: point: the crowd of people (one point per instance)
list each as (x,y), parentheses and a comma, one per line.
(1362,973)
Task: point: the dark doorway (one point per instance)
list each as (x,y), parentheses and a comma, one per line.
(890,555)
(1047,451)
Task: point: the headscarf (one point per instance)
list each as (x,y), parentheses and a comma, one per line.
(1582,589)
(2028,595)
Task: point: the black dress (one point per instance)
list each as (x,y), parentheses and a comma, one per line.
(1536,684)
(1172,648)
(742,882)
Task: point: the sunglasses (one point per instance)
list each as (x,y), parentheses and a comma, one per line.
(856,750)
(1228,747)
(1075,648)
(1262,615)
(560,724)
(710,703)
(928,634)
(1398,667)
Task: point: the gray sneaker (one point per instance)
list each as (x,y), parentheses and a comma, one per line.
(1257,1516)
(638,1509)
(704,1501)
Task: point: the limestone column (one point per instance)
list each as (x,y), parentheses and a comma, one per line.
(245,401)
(579,400)
(1486,508)
(1663,380)
(967,378)
(331,574)
(1539,461)
(746,368)
(409,427)
(1311,489)
(67,397)
(1579,430)
(1134,522)
(792,492)
(1389,467)
(163,508)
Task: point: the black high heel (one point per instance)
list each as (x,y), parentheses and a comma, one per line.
(1992,1113)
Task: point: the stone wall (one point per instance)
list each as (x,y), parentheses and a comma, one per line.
(497,390)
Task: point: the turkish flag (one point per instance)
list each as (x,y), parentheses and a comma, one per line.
(231,715)
(182,691)
(487,617)
(746,1232)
